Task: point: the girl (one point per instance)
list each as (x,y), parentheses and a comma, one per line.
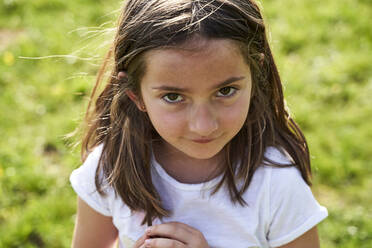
(190,144)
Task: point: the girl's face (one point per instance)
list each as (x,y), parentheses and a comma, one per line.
(197,100)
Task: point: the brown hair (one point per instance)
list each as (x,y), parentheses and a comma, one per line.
(127,133)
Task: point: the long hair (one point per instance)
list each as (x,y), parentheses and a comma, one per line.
(127,133)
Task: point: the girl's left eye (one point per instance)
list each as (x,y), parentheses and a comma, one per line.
(226,91)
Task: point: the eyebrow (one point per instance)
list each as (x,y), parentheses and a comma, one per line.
(177,89)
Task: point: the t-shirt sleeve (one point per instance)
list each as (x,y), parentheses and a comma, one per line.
(293,208)
(83,182)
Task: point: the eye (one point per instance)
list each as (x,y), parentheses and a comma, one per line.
(172,98)
(226,91)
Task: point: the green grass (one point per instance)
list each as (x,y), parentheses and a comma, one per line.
(323,51)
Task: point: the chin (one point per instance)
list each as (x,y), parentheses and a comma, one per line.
(200,154)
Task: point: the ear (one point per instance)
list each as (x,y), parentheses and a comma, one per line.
(122,75)
(140,105)
(262,58)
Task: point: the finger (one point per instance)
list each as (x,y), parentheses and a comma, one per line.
(163,243)
(140,243)
(172,230)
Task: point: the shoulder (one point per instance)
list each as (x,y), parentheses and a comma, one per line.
(293,209)
(87,171)
(277,155)
(278,177)
(280,170)
(277,164)
(85,174)
(277,173)
(83,182)
(93,157)
(91,162)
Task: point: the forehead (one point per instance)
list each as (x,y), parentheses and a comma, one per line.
(196,58)
(195,47)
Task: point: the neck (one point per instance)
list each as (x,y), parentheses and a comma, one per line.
(184,168)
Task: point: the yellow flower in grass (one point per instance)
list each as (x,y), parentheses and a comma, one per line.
(8,58)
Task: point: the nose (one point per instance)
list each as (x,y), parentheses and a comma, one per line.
(203,120)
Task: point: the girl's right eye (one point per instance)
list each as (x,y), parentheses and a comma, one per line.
(173,98)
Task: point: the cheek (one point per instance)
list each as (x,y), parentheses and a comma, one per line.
(235,116)
(165,122)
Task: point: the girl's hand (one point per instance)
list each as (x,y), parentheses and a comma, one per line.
(140,243)
(172,234)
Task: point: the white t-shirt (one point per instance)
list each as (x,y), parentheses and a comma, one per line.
(281,206)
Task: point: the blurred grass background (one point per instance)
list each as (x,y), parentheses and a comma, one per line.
(323,50)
